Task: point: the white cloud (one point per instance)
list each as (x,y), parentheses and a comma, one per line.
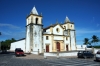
(9,25)
(88,31)
(11,31)
(81,32)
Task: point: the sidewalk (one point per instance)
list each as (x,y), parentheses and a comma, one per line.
(34,56)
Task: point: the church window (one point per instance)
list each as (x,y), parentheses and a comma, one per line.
(66,38)
(36,20)
(47,38)
(71,25)
(57,29)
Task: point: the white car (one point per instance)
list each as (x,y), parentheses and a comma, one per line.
(98,55)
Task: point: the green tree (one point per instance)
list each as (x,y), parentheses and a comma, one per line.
(5,45)
(95,39)
(86,41)
(0,33)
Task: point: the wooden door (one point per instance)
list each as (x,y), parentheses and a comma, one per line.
(58,46)
(66,47)
(47,48)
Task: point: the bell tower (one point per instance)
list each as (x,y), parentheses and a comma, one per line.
(34,41)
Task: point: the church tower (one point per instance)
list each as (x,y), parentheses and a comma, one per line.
(34,41)
(71,33)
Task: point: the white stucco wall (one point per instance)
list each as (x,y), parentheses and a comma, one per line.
(60,30)
(58,37)
(67,42)
(66,25)
(47,42)
(73,44)
(48,31)
(18,44)
(37,38)
(27,39)
(71,26)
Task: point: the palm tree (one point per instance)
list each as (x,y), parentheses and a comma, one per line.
(86,41)
(0,33)
(0,42)
(95,39)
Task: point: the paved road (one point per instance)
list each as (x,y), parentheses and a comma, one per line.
(71,62)
(34,60)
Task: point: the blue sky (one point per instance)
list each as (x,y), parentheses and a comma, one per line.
(84,13)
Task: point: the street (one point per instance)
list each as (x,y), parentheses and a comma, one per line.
(33,60)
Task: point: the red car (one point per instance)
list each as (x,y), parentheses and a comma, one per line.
(19,53)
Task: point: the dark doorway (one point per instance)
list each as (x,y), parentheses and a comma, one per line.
(47,48)
(58,46)
(66,47)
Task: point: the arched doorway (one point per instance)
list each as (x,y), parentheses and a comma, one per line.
(47,48)
(58,46)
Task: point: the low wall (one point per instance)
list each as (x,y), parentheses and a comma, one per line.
(95,50)
(61,54)
(35,52)
(70,53)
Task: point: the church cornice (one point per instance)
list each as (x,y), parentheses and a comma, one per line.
(55,35)
(67,23)
(70,30)
(33,24)
(34,15)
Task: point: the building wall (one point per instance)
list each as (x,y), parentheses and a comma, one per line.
(73,43)
(65,26)
(18,44)
(47,42)
(67,42)
(37,38)
(60,30)
(27,41)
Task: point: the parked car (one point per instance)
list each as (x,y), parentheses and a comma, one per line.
(17,49)
(97,56)
(19,53)
(85,54)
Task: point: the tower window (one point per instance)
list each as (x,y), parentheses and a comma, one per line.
(36,20)
(71,25)
(47,38)
(66,38)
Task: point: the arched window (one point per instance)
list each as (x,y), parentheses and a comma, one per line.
(36,20)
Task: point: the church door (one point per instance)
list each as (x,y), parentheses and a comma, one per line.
(66,47)
(47,48)
(58,46)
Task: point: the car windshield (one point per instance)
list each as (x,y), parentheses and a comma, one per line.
(20,50)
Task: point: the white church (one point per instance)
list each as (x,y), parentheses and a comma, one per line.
(56,37)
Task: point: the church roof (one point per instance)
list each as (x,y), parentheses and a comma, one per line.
(34,11)
(67,19)
(52,26)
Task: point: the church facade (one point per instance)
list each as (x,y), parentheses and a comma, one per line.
(56,37)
